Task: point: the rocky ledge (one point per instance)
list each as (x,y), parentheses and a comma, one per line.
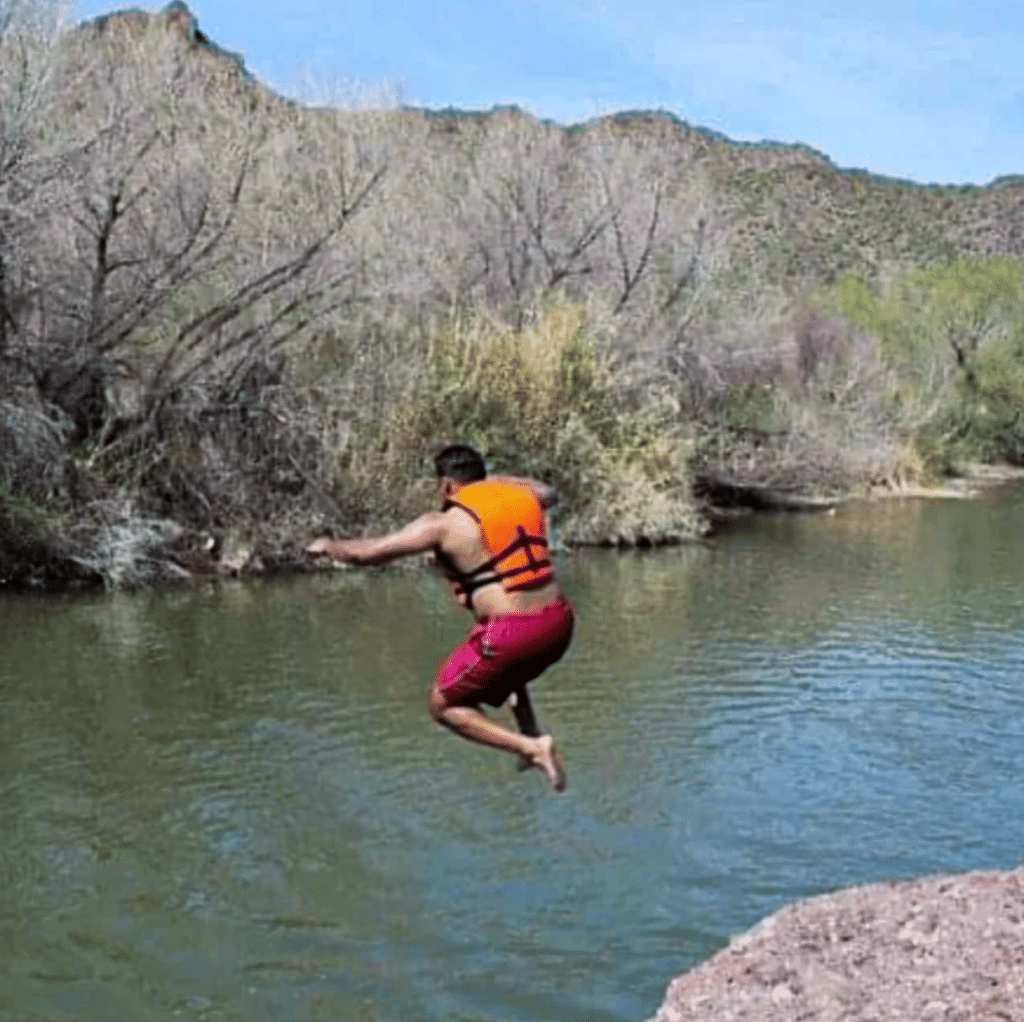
(945,948)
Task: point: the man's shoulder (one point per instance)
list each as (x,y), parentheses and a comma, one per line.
(458,518)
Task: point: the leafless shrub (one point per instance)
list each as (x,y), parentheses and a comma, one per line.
(324,90)
(149,261)
(526,230)
(822,346)
(31,449)
(657,253)
(30,31)
(807,413)
(126,550)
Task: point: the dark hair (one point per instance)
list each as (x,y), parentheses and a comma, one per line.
(460,462)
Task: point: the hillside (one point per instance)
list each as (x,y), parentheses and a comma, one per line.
(799,215)
(795,213)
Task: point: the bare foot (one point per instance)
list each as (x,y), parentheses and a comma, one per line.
(546,758)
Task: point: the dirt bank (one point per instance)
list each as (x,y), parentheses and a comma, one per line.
(945,948)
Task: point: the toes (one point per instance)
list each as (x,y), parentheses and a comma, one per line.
(557,776)
(551,763)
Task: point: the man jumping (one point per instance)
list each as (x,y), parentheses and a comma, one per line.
(490,540)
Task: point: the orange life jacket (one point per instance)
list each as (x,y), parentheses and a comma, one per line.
(515,533)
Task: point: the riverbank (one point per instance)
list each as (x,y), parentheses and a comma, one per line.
(972,480)
(722,499)
(126,551)
(948,947)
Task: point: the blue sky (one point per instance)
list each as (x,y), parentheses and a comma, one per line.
(929,90)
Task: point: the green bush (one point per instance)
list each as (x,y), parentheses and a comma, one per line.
(538,401)
(953,332)
(991,409)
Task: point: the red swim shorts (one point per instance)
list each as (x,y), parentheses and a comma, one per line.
(502,654)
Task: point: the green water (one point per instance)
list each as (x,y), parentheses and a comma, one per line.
(230,803)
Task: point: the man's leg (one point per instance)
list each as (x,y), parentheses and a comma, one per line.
(473,724)
(522,709)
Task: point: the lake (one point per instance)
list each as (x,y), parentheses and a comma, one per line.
(229,802)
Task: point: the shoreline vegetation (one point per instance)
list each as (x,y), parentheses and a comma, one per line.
(230,321)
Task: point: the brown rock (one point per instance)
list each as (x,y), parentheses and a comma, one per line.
(949,947)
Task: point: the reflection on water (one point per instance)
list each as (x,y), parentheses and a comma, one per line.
(231,802)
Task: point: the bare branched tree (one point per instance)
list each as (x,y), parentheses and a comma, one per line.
(523,229)
(148,264)
(30,32)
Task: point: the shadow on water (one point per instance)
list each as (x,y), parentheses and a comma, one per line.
(230,802)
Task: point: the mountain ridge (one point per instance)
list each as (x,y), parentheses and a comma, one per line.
(177,15)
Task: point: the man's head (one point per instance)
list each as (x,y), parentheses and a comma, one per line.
(459,464)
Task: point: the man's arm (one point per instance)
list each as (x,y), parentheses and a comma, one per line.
(425,533)
(545,494)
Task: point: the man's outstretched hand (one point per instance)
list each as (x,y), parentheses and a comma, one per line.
(349,551)
(323,547)
(425,533)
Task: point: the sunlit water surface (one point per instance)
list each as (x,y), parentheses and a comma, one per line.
(231,804)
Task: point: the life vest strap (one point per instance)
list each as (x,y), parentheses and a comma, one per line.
(523,541)
(468,584)
(462,507)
